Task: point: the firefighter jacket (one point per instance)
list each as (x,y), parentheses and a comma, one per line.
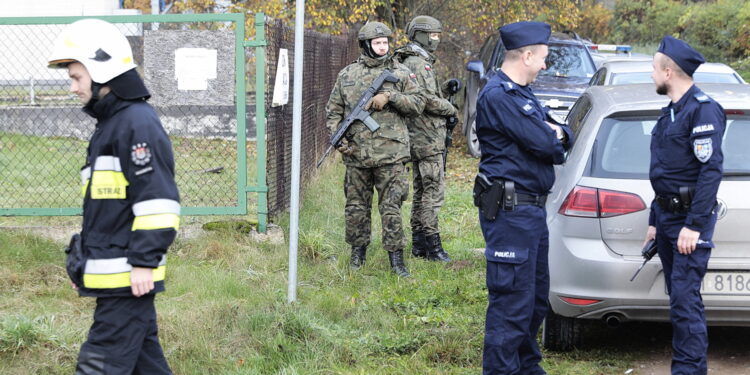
(131,205)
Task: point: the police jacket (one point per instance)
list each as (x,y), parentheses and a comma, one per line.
(686,152)
(426,131)
(390,143)
(516,143)
(131,205)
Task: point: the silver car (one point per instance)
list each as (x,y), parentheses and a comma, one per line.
(598,215)
(623,72)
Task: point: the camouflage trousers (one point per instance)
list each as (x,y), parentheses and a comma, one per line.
(390,181)
(429,191)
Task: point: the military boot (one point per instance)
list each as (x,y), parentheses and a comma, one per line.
(397,263)
(435,249)
(418,244)
(358,256)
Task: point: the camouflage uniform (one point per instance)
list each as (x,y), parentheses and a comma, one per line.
(427,136)
(377,158)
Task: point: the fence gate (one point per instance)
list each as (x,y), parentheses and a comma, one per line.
(195,67)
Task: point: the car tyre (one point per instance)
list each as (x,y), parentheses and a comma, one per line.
(472,142)
(560,333)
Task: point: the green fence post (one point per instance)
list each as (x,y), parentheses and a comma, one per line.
(241,103)
(260,118)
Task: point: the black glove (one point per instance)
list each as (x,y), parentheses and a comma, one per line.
(453,85)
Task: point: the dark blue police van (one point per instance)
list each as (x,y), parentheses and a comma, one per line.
(569,69)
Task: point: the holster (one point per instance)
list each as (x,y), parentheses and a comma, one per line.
(487,196)
(686,196)
(75,260)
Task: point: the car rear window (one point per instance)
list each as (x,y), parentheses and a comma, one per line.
(715,77)
(622,147)
(645,77)
(630,77)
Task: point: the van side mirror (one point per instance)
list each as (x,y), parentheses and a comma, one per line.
(476,66)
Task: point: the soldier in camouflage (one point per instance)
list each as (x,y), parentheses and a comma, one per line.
(375,159)
(427,137)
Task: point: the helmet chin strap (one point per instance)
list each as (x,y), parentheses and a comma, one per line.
(95,88)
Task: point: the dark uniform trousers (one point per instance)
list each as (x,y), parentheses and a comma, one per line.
(518,285)
(123,339)
(683,275)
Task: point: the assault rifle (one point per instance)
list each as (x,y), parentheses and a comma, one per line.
(359,113)
(450,122)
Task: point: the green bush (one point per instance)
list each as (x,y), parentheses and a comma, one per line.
(719,29)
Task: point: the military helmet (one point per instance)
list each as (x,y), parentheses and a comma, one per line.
(423,23)
(373,30)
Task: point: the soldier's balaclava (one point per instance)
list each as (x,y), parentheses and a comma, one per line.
(423,38)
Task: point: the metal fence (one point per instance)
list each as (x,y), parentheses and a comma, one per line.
(325,55)
(195,67)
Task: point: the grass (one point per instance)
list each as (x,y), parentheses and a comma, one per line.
(44,171)
(225,310)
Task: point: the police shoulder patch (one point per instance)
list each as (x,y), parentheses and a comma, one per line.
(703,149)
(140,154)
(412,76)
(701,97)
(427,68)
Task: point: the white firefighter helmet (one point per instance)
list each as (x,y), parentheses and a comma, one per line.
(98,45)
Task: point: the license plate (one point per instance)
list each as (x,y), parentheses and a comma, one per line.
(730,282)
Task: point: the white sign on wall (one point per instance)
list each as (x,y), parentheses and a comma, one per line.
(281,86)
(193,67)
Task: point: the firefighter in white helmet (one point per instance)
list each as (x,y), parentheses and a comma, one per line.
(131,204)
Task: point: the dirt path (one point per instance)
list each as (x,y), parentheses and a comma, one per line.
(650,345)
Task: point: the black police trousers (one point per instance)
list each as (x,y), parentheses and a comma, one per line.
(123,339)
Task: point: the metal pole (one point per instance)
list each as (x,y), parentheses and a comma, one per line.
(299,42)
(155,10)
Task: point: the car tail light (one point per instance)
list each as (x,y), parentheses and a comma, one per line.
(734,112)
(613,203)
(580,301)
(591,202)
(581,202)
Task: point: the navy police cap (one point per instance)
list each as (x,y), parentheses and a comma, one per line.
(683,55)
(525,33)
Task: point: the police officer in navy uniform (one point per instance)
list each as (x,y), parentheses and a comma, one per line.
(520,142)
(130,207)
(686,169)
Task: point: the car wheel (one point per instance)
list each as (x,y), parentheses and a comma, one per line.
(560,333)
(472,142)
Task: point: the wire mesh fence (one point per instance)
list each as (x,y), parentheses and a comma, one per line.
(325,55)
(189,68)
